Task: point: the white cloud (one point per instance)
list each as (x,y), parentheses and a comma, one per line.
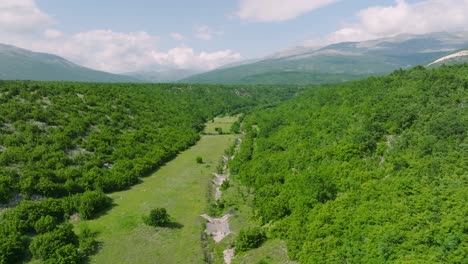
(100,49)
(206,33)
(120,52)
(419,18)
(52,34)
(277,10)
(185,57)
(20,16)
(177,36)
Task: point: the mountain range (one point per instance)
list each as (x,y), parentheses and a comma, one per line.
(300,65)
(340,62)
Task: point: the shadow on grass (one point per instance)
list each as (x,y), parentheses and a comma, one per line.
(103,211)
(173,225)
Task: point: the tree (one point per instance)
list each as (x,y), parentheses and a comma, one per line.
(250,238)
(158,218)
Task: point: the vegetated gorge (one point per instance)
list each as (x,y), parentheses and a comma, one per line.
(370,171)
(64,145)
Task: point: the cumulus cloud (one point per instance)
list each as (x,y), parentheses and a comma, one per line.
(277,10)
(21,16)
(52,33)
(185,57)
(403,17)
(206,33)
(120,52)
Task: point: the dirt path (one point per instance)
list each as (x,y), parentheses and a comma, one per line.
(228,255)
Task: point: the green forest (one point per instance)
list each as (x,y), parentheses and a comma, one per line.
(63,145)
(370,171)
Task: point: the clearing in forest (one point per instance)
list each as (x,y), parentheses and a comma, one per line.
(181,187)
(224,123)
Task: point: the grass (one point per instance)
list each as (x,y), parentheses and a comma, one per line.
(224,123)
(180,187)
(271,252)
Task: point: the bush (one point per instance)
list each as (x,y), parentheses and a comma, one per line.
(45,224)
(56,246)
(250,238)
(199,160)
(157,217)
(92,202)
(225,185)
(87,241)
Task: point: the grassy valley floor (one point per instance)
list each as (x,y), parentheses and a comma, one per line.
(181,187)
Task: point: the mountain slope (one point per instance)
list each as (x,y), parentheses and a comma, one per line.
(455,58)
(164,75)
(21,64)
(340,62)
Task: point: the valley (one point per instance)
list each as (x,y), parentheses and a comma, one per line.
(180,186)
(234,132)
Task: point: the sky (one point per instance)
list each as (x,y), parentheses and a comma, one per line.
(125,36)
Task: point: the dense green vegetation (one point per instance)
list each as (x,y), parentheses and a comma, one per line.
(372,171)
(72,142)
(250,238)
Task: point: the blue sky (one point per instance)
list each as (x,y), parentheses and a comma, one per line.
(161,18)
(121,36)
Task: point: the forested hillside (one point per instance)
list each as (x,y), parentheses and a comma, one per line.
(372,171)
(63,145)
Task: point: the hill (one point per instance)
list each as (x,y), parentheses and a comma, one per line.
(21,64)
(339,62)
(370,171)
(162,75)
(460,57)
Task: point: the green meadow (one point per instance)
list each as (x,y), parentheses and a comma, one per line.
(224,123)
(181,186)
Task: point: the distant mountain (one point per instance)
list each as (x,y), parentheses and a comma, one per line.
(21,64)
(455,58)
(339,62)
(162,75)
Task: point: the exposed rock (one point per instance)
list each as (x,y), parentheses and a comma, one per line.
(218,228)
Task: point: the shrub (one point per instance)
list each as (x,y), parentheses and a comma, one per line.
(225,185)
(92,202)
(56,246)
(87,241)
(45,224)
(157,217)
(250,238)
(199,160)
